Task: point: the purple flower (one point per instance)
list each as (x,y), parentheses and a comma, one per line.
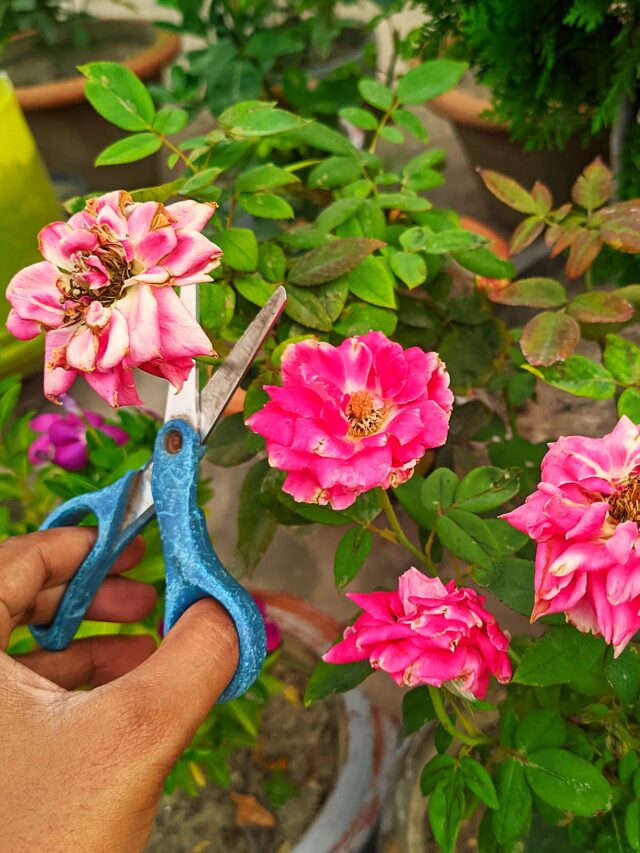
(63,436)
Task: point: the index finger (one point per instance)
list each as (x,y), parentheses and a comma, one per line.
(45,559)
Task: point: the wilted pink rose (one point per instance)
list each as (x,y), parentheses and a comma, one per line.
(104,294)
(274,636)
(353,417)
(63,436)
(584,514)
(427,633)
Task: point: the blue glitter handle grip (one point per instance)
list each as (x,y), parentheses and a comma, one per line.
(109,506)
(192,567)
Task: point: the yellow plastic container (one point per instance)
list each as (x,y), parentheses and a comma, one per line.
(27,204)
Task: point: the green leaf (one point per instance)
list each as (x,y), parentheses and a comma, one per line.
(254,289)
(231,443)
(629,404)
(514,803)
(466,536)
(409,495)
(375,94)
(438,490)
(510,579)
(170,120)
(561,655)
(265,122)
(623,674)
(338,213)
(334,172)
(304,307)
(324,138)
(434,771)
(429,80)
(483,262)
(351,553)
(129,149)
(328,679)
(240,249)
(359,118)
(272,262)
(118,95)
(417,709)
(333,296)
(549,337)
(11,387)
(255,529)
(371,282)
(526,233)
(594,187)
(562,779)
(579,376)
(217,304)
(411,123)
(508,191)
(446,809)
(332,260)
(454,240)
(405,202)
(359,318)
(269,44)
(391,134)
(532,292)
(540,728)
(266,177)
(632,824)
(478,781)
(486,488)
(266,205)
(200,180)
(410,268)
(600,307)
(622,359)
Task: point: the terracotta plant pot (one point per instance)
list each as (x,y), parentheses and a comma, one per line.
(487,145)
(68,131)
(365,745)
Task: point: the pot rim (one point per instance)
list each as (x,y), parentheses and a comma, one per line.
(347,817)
(63,93)
(464,108)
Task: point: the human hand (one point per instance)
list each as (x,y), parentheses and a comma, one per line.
(84,770)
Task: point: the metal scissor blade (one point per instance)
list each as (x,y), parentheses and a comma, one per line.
(218,391)
(184,403)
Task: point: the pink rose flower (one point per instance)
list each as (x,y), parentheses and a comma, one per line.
(274,635)
(427,633)
(584,514)
(104,294)
(63,437)
(353,417)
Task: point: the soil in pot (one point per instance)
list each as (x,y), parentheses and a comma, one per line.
(68,132)
(304,739)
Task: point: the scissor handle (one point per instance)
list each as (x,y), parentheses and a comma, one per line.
(109,506)
(193,570)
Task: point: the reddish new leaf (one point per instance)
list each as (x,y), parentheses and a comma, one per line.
(532,292)
(548,338)
(601,307)
(332,260)
(620,227)
(542,197)
(524,235)
(584,250)
(594,187)
(508,191)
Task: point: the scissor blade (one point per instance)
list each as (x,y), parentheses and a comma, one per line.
(184,403)
(218,391)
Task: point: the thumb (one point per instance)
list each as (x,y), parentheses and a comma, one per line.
(172,691)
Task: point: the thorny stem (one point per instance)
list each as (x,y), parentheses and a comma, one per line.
(174,149)
(445,722)
(588,278)
(232,210)
(383,121)
(394,522)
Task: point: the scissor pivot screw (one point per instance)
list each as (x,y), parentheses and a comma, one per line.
(173,441)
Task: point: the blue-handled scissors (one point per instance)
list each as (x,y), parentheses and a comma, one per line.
(166,487)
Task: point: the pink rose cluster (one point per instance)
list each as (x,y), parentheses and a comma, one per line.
(104,294)
(62,436)
(427,633)
(584,516)
(349,418)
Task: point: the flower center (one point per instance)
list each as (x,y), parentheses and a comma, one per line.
(363,417)
(624,505)
(96,276)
